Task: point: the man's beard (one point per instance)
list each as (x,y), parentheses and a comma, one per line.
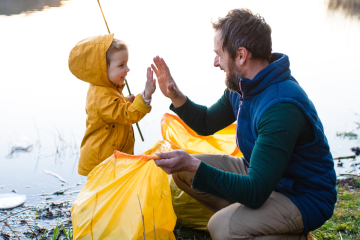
(233,78)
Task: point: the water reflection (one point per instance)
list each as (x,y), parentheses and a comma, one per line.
(11,7)
(43,88)
(347,7)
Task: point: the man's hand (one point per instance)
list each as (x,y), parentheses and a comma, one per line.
(166,82)
(177,161)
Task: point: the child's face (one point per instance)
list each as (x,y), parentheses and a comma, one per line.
(118,68)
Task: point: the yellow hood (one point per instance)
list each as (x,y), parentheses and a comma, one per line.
(87,60)
(109,114)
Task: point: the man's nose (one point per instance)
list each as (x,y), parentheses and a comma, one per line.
(216,62)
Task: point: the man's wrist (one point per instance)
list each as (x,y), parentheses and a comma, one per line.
(194,165)
(179,100)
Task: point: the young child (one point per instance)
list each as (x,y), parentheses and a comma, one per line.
(102,62)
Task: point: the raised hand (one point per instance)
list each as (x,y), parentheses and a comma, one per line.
(150,85)
(166,82)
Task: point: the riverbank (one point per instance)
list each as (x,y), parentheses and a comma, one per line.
(52,220)
(345,223)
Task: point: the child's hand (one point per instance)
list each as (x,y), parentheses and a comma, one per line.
(150,85)
(131,98)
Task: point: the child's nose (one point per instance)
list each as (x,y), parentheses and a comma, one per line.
(128,69)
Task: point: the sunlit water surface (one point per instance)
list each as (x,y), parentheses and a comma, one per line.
(43,103)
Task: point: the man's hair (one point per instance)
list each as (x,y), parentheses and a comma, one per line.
(242,28)
(116,45)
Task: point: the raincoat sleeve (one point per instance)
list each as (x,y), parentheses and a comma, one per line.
(113,110)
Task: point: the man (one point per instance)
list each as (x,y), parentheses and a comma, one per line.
(284,186)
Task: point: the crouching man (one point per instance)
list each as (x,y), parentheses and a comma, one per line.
(285,185)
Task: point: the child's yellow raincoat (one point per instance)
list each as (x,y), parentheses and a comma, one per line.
(109,113)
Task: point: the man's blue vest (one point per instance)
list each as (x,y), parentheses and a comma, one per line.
(309,179)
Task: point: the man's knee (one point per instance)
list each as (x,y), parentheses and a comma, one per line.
(183,180)
(222,226)
(219,223)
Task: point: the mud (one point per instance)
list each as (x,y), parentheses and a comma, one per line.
(35,221)
(350,183)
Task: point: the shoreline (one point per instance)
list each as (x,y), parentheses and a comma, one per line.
(43,221)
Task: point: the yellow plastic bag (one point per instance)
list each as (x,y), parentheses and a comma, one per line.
(125,197)
(189,212)
(126,194)
(177,132)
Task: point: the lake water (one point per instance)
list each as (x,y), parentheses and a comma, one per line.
(42,103)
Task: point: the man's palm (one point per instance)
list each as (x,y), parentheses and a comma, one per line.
(166,82)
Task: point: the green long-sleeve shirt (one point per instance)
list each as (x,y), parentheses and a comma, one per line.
(281,128)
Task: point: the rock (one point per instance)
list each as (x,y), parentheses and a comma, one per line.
(348,182)
(11,200)
(5,235)
(356,150)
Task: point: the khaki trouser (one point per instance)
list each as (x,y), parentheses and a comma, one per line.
(277,218)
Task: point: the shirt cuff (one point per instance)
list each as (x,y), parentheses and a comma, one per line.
(200,174)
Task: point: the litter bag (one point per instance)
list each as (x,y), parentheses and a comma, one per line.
(126,197)
(177,132)
(189,212)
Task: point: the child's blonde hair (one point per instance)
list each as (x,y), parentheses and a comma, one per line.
(116,45)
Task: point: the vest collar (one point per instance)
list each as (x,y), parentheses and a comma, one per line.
(277,71)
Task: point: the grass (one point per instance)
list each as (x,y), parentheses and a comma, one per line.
(345,223)
(59,231)
(182,233)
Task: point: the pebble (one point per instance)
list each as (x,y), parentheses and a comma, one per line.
(356,150)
